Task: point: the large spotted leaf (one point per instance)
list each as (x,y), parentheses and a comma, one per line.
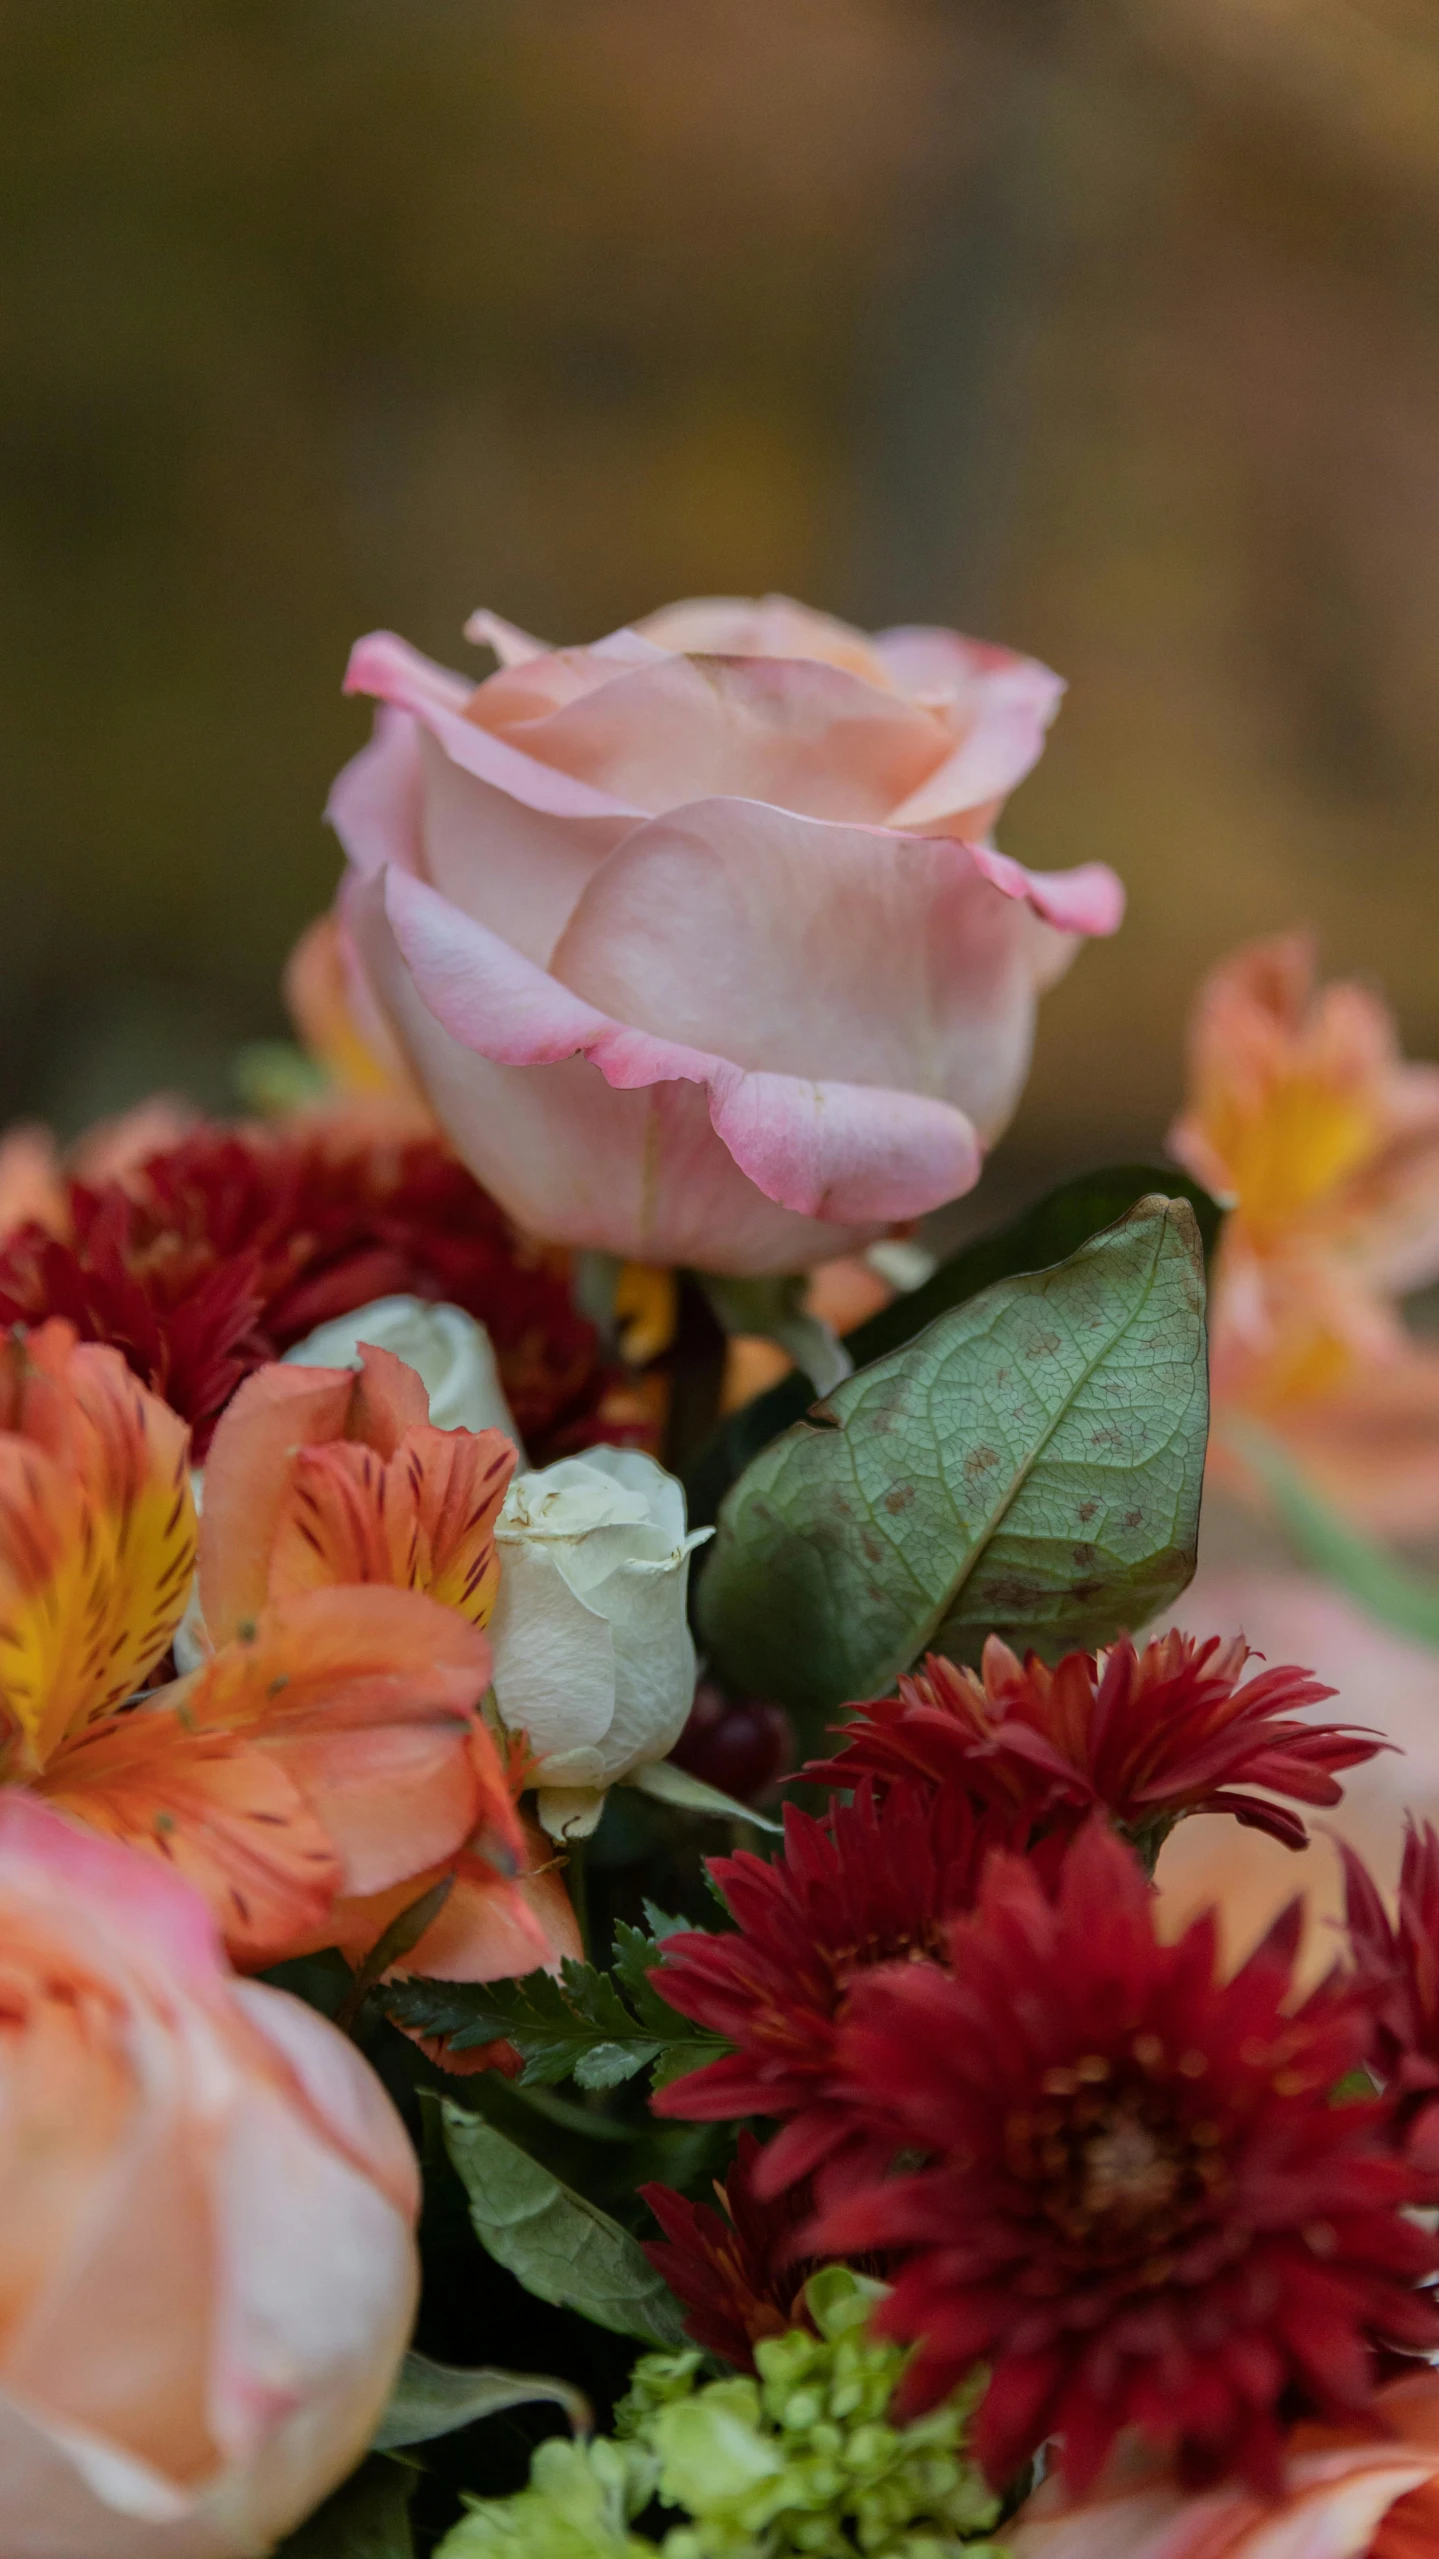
(1030,1463)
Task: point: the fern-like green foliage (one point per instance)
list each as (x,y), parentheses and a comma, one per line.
(596,2028)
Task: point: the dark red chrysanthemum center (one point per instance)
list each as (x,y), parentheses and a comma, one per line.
(1115,2168)
(1123,2183)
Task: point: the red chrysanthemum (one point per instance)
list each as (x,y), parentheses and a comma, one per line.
(1144,1736)
(220,1252)
(1397,1981)
(1141,2204)
(871,1881)
(735,2270)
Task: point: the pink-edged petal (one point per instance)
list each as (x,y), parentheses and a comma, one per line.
(492,839)
(818,950)
(766,626)
(518,869)
(511,645)
(376,802)
(634,1156)
(672,729)
(1000,706)
(393,672)
(1088,899)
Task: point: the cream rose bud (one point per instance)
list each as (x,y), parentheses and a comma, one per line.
(451,1353)
(207,2207)
(593,1654)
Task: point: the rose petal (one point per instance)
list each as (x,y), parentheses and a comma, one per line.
(858,1156)
(768,626)
(673,729)
(816,950)
(388,668)
(421,795)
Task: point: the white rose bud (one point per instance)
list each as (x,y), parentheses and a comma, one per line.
(593,1654)
(452,1354)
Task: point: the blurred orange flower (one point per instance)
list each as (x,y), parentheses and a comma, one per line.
(343,1030)
(1324,1143)
(1348,2494)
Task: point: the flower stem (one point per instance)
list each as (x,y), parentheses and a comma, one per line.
(696,1366)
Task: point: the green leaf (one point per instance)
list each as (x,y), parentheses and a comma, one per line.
(432,2399)
(1031,1464)
(668,1784)
(1377,1581)
(682,2049)
(556,2026)
(575,2027)
(1044,1234)
(368,2518)
(556,2243)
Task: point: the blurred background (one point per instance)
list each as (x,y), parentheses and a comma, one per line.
(1107,329)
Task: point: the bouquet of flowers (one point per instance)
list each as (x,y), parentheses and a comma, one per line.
(590,1729)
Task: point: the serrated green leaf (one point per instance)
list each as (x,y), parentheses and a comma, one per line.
(555,2025)
(558,2244)
(431,2399)
(679,2049)
(1040,1236)
(577,2027)
(1030,1464)
(368,2518)
(635,1958)
(609,2065)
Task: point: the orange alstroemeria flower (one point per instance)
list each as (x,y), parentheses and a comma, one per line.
(1304,1118)
(326,1476)
(325,1479)
(332,1750)
(1348,2494)
(97,1538)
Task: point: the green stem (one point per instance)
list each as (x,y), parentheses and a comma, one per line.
(578,1879)
(696,1366)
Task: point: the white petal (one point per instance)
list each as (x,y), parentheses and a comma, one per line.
(554,1674)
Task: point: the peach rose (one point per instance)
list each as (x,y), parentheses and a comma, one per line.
(691,936)
(207,2203)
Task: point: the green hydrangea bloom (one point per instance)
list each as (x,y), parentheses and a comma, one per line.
(803,2459)
(578,2505)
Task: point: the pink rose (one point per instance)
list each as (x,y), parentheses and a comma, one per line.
(691,937)
(207,2268)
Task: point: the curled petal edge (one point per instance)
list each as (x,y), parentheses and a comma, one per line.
(844,1152)
(386,667)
